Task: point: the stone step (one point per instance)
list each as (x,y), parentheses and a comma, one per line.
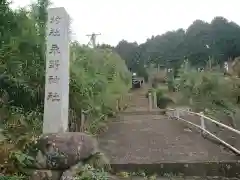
(201,169)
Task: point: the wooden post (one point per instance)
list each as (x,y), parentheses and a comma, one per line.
(57,72)
(202,123)
(149,101)
(118,105)
(82,122)
(155,99)
(177,113)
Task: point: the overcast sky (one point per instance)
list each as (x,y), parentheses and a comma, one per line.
(136,20)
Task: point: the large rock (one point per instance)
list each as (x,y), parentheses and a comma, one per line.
(63,152)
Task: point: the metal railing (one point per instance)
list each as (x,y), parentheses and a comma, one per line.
(176,114)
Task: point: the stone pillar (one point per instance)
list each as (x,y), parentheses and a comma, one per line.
(57,71)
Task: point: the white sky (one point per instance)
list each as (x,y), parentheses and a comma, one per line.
(137,20)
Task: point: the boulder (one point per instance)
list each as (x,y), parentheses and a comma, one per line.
(63,155)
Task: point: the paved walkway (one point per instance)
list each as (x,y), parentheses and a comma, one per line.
(149,139)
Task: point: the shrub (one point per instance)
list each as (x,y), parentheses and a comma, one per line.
(162,99)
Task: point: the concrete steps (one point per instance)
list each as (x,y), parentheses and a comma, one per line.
(147,141)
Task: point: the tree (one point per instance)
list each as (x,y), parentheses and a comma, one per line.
(218,40)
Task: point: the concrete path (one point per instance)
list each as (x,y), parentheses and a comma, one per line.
(153,139)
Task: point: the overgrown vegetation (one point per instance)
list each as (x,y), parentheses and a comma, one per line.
(163,99)
(212,92)
(98,78)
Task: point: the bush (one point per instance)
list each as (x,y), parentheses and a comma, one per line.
(162,99)
(163,102)
(90,173)
(98,79)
